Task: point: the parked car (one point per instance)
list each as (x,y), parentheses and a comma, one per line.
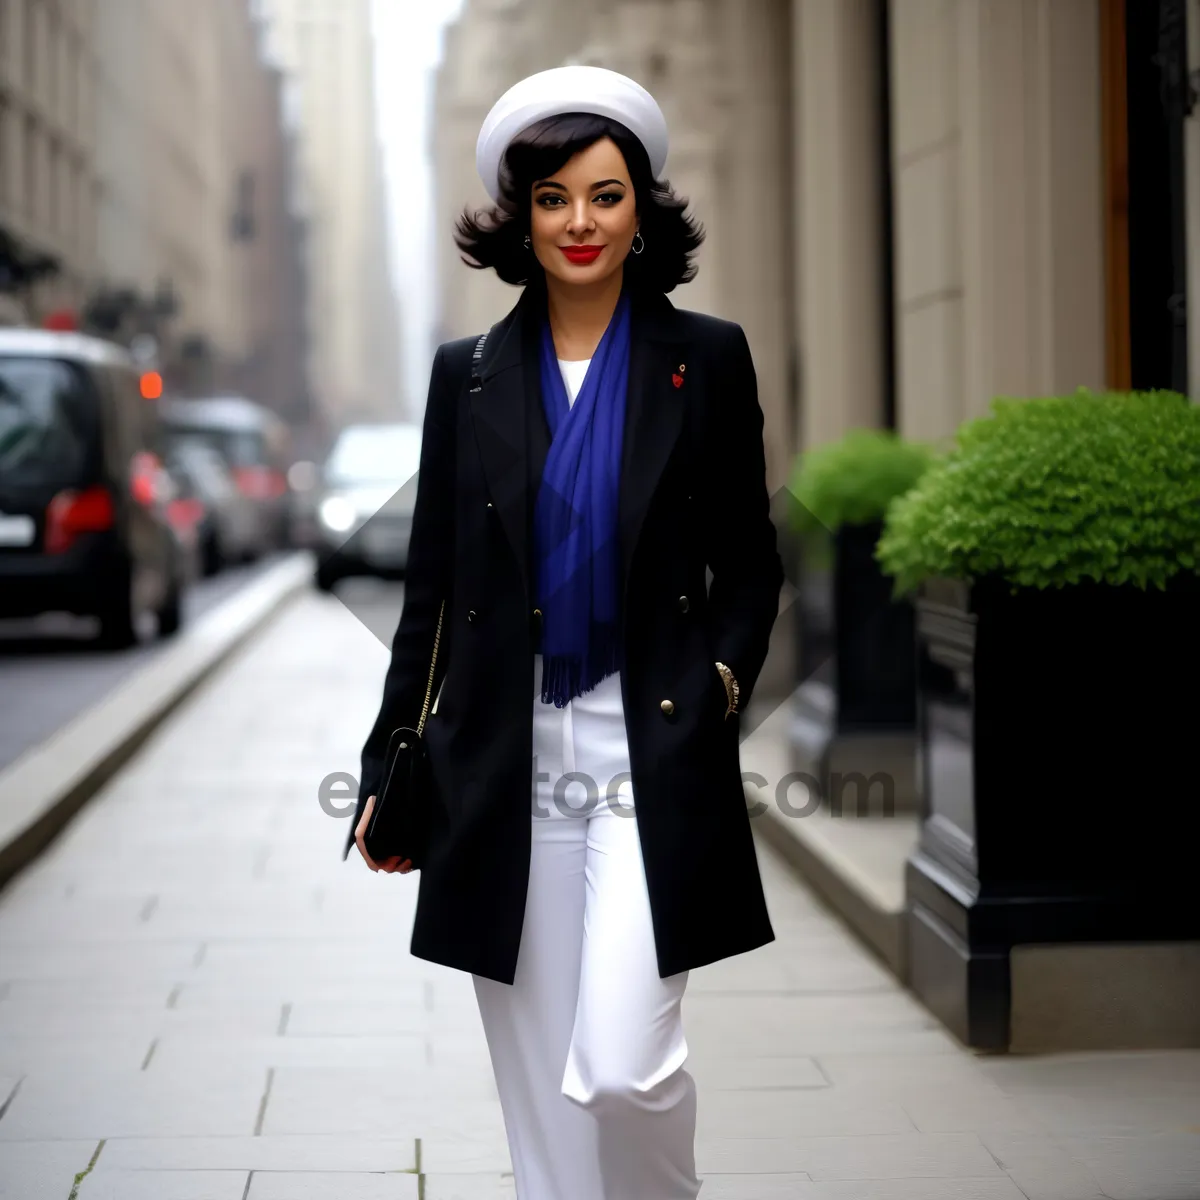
(254,443)
(83,491)
(365,503)
(187,516)
(229,526)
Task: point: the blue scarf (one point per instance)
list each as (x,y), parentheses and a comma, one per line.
(575,518)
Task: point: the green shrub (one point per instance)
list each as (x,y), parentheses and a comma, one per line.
(1054,490)
(852,481)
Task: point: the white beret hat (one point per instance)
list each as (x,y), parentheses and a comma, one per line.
(567,90)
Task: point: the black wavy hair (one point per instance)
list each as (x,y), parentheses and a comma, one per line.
(495,237)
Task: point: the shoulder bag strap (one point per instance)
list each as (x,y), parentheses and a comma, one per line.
(476,385)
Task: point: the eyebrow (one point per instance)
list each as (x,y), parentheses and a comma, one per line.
(546,183)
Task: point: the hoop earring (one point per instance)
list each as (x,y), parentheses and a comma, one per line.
(637,237)
(528,243)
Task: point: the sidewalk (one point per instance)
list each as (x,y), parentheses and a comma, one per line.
(201,1001)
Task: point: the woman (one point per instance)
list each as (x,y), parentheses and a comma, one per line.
(577,482)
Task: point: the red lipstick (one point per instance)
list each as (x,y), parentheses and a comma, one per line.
(580,256)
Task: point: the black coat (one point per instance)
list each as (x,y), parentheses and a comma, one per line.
(693,499)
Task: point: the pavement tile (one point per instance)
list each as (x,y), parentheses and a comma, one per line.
(42,1170)
(30,1019)
(774,1186)
(104,992)
(332,1185)
(210,992)
(296,1153)
(968,1108)
(469,1187)
(720,1072)
(834,968)
(186,1053)
(351,960)
(777,1113)
(60,959)
(376,1102)
(886,1156)
(23,1055)
(797,1187)
(1124,1070)
(103,1184)
(901,1073)
(449,1049)
(107,919)
(67,1104)
(362,1018)
(1162,1166)
(1105,1112)
(1042,1168)
(447,1153)
(742,1034)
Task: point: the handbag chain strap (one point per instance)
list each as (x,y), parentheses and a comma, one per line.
(437,637)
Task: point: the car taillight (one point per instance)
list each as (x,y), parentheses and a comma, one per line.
(71,513)
(250,482)
(186,512)
(146,478)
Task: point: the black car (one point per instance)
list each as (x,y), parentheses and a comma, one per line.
(83,493)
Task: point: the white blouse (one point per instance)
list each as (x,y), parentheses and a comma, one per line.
(573,373)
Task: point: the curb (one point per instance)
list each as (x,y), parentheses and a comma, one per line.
(47,785)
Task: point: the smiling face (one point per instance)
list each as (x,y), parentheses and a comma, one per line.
(584,216)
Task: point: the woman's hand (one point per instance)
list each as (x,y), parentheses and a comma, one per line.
(395,863)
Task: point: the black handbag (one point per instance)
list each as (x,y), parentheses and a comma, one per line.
(400,818)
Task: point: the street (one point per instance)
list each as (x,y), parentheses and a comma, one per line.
(50,671)
(200,1001)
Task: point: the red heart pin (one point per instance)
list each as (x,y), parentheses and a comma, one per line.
(677,379)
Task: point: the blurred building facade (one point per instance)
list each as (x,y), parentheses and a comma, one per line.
(911,206)
(145,187)
(325,49)
(49,182)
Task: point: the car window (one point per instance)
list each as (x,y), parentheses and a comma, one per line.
(238,448)
(388,454)
(45,421)
(201,462)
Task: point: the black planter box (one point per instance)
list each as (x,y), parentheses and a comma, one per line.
(1057,729)
(874,640)
(857,662)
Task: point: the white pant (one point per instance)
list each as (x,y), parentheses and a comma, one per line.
(587,1045)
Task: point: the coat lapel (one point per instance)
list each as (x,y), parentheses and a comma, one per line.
(513,436)
(499,414)
(653,417)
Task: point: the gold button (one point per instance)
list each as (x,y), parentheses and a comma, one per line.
(683,604)
(668,707)
(537,612)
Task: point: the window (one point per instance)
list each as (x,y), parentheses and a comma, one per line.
(44,422)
